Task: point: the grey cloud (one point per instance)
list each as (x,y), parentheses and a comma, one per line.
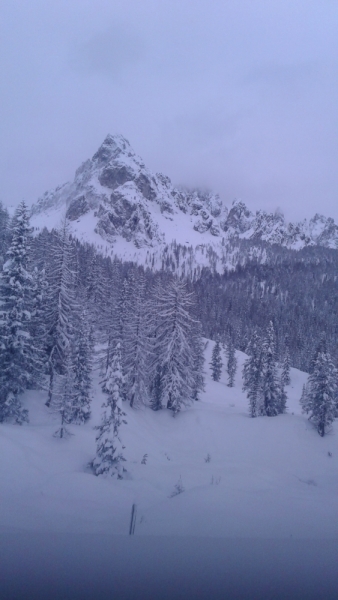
(237,95)
(283,74)
(109,52)
(204,127)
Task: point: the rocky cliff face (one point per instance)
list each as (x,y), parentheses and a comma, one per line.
(125,200)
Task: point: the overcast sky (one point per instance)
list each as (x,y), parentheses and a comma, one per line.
(240,96)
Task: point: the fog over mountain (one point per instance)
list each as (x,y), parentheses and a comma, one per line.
(235,97)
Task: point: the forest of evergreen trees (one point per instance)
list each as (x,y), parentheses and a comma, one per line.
(297,291)
(59,300)
(65,308)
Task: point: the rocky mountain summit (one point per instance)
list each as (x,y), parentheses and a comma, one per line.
(117,197)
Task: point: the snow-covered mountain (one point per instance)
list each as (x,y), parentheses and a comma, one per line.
(116,202)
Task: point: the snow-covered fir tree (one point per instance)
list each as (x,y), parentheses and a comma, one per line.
(285,375)
(83,362)
(38,322)
(270,386)
(319,397)
(303,398)
(137,348)
(19,359)
(106,309)
(155,384)
(231,361)
(155,369)
(114,308)
(321,347)
(124,304)
(174,352)
(216,362)
(126,314)
(109,451)
(282,397)
(252,375)
(198,350)
(4,233)
(63,394)
(62,306)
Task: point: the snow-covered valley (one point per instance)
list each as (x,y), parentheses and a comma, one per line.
(242,477)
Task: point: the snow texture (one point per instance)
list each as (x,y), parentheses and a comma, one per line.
(266,477)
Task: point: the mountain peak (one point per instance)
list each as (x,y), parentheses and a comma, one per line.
(123,200)
(112,146)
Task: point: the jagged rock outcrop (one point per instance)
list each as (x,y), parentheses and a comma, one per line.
(121,199)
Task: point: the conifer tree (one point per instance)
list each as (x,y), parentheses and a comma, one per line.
(252,375)
(4,233)
(198,360)
(107,295)
(122,311)
(216,362)
(282,397)
(63,394)
(155,369)
(320,395)
(284,381)
(93,281)
(38,322)
(83,362)
(173,351)
(126,314)
(62,306)
(270,386)
(19,360)
(109,453)
(304,397)
(321,347)
(285,376)
(155,384)
(137,348)
(231,362)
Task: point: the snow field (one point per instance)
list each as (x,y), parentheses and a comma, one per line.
(266,478)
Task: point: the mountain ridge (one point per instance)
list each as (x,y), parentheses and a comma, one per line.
(116,197)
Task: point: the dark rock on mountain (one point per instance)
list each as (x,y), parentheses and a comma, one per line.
(115,196)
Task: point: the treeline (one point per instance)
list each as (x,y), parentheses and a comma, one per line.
(60,299)
(265,386)
(296,291)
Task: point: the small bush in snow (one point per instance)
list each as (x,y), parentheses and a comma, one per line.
(215,480)
(179,489)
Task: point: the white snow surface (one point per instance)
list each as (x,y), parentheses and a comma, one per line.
(267,477)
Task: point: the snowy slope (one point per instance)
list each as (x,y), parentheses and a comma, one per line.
(119,205)
(267,477)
